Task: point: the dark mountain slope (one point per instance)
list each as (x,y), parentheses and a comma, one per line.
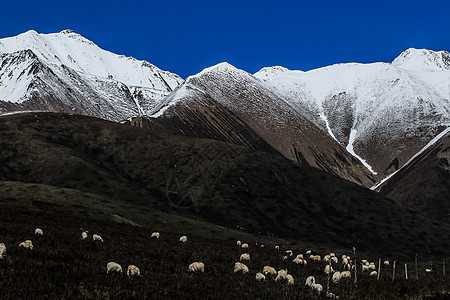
(424,184)
(209,180)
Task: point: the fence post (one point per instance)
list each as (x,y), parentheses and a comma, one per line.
(393,272)
(406,271)
(417,271)
(443,267)
(355,265)
(379,268)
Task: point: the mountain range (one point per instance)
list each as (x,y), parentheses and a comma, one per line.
(361,122)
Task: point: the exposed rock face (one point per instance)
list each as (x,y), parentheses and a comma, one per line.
(241,105)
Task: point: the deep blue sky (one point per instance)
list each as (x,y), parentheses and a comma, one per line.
(186,36)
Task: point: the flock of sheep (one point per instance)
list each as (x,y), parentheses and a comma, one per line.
(347,265)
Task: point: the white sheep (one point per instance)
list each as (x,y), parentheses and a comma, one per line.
(308,252)
(277,247)
(364,261)
(96,237)
(262,246)
(197,266)
(27,245)
(2,250)
(298,261)
(155,235)
(39,231)
(317,287)
(113,266)
(336,277)
(327,258)
(344,260)
(334,259)
(260,276)
(428,270)
(244,256)
(269,270)
(328,269)
(386,263)
(372,266)
(290,279)
(373,273)
(365,268)
(315,257)
(244,246)
(332,254)
(282,274)
(238,266)
(84,235)
(300,256)
(132,270)
(183,239)
(310,281)
(289,252)
(238,243)
(346,274)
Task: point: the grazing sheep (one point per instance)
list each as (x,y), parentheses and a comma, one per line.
(2,250)
(334,259)
(132,270)
(269,270)
(285,258)
(386,263)
(332,254)
(262,246)
(155,235)
(290,279)
(260,276)
(238,243)
(315,257)
(344,260)
(197,266)
(113,266)
(308,252)
(298,261)
(38,231)
(428,270)
(282,274)
(277,247)
(364,261)
(365,268)
(300,256)
(84,235)
(238,266)
(183,239)
(336,277)
(373,273)
(328,269)
(327,258)
(289,252)
(96,237)
(244,246)
(346,274)
(317,287)
(372,266)
(27,244)
(310,281)
(244,256)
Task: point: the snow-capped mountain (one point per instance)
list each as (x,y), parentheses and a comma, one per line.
(66,72)
(230,104)
(382,113)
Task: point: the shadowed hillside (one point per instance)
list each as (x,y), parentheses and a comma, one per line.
(212,181)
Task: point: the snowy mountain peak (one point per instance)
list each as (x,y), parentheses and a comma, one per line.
(268,73)
(423,59)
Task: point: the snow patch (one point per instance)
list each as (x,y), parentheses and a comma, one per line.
(350,150)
